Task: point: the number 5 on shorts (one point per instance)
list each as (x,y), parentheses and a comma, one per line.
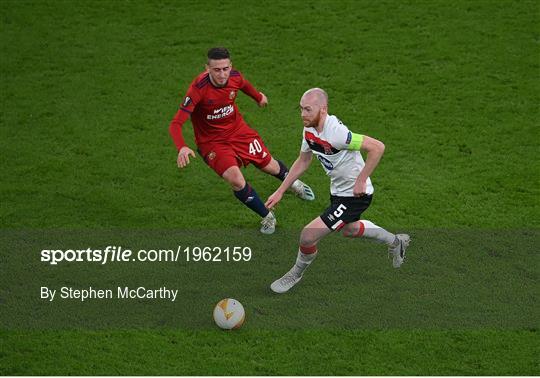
(340,209)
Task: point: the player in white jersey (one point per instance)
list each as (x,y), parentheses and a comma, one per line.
(338,150)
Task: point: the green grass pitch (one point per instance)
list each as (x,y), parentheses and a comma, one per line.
(452,89)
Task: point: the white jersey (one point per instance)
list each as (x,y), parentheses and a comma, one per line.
(331,148)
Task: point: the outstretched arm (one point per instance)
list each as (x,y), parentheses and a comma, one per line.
(300,165)
(375,150)
(175,129)
(250,90)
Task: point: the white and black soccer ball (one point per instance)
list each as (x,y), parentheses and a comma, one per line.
(229,314)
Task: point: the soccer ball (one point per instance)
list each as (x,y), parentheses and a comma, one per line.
(229,314)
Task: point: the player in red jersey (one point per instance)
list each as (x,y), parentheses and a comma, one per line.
(223,138)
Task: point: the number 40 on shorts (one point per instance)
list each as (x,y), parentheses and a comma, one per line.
(255,147)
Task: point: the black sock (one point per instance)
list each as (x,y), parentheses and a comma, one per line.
(249,197)
(283,171)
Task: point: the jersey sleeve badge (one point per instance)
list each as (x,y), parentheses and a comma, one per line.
(187,101)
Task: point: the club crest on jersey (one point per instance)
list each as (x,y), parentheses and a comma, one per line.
(327,163)
(232,94)
(211,155)
(186,102)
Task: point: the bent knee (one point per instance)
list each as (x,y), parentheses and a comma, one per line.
(353,230)
(308,237)
(237,185)
(235,178)
(349,233)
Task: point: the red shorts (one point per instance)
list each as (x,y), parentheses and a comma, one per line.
(245,146)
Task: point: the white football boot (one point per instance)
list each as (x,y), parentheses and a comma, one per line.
(398,252)
(268,224)
(302,190)
(286,282)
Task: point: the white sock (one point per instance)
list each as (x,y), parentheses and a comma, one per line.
(302,262)
(372,231)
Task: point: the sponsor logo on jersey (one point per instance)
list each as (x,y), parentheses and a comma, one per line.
(186,102)
(221,112)
(325,162)
(211,155)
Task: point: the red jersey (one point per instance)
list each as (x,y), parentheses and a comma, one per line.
(213,110)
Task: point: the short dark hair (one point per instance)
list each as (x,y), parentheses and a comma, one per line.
(217,53)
